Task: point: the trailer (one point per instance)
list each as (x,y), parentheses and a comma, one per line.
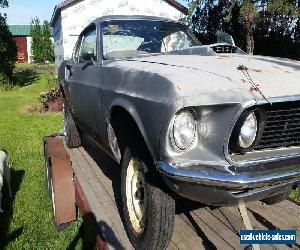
(86,178)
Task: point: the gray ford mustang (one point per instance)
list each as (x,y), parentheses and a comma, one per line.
(209,123)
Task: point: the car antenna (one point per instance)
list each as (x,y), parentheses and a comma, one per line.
(254,85)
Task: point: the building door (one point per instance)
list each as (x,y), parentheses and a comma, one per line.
(21,43)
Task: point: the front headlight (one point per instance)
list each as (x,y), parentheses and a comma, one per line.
(184,129)
(248,131)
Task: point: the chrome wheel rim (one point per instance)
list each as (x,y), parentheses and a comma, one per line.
(136,195)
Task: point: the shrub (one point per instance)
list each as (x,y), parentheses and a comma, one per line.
(4,79)
(8,52)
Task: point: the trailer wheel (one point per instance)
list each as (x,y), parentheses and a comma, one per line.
(71,132)
(276,198)
(149,212)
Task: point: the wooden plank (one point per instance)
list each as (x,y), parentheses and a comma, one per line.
(202,228)
(112,171)
(288,207)
(88,216)
(107,181)
(172,246)
(236,221)
(210,239)
(257,225)
(101,193)
(247,223)
(275,217)
(219,228)
(184,236)
(100,201)
(230,217)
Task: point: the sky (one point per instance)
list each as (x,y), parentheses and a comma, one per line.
(22,11)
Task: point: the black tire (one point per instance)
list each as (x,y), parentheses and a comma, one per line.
(71,132)
(276,198)
(160,206)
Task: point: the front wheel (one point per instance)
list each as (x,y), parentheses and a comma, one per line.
(149,212)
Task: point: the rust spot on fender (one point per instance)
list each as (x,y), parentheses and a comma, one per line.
(255,70)
(276,67)
(285,71)
(243,80)
(228,78)
(179,87)
(222,56)
(254,88)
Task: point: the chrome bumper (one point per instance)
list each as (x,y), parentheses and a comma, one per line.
(231,180)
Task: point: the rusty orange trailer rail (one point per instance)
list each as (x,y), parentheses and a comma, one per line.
(60,180)
(65,191)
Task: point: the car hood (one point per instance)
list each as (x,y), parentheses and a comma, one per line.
(262,77)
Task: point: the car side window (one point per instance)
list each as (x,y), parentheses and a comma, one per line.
(88,48)
(176,41)
(77,50)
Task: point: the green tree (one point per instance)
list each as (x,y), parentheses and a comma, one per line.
(8,48)
(48,48)
(36,34)
(41,44)
(249,15)
(256,13)
(267,24)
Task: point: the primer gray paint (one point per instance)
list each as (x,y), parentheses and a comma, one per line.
(153,88)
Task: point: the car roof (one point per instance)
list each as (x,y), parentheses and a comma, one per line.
(134,17)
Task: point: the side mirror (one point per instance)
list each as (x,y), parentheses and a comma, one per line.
(223,37)
(88,55)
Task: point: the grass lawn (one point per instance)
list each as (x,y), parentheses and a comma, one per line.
(27,221)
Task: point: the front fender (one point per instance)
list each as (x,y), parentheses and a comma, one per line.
(135,114)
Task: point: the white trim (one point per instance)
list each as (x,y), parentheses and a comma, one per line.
(29,52)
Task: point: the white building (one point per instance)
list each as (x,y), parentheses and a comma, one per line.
(71,16)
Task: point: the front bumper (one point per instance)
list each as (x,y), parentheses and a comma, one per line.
(225,186)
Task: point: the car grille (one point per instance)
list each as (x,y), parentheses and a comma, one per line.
(224,49)
(282,127)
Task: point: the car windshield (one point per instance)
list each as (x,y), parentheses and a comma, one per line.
(129,38)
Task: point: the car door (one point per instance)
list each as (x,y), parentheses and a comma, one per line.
(84,78)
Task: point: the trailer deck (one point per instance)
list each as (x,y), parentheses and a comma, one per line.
(196,226)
